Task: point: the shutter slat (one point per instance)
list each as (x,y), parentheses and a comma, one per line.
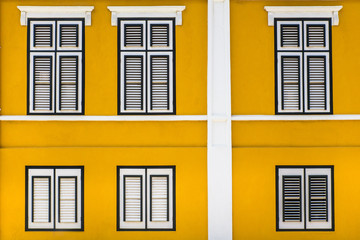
(67,200)
(318,207)
(316,83)
(159,35)
(69,35)
(133,200)
(290,83)
(159,83)
(289,35)
(315,35)
(43,35)
(159,199)
(41,199)
(68,83)
(133,83)
(292,198)
(42,83)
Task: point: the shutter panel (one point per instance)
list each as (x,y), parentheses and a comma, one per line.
(67,199)
(41,200)
(291,208)
(290,35)
(291,86)
(292,198)
(133,35)
(42,83)
(318,210)
(159,197)
(159,35)
(133,199)
(132,83)
(159,82)
(315,35)
(43,35)
(319,198)
(316,82)
(69,194)
(69,35)
(68,83)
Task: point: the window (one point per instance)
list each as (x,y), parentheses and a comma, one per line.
(305,198)
(54,198)
(303,66)
(146,66)
(146,198)
(56,66)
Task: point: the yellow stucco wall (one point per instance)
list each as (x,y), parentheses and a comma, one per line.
(101,56)
(252,56)
(100,190)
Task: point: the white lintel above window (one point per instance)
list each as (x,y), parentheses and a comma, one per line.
(146,12)
(303,12)
(55,12)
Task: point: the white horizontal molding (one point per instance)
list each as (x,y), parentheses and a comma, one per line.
(142,118)
(146,12)
(55,12)
(303,12)
(340,117)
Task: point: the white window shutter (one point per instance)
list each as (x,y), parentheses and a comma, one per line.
(289,35)
(133,82)
(41,95)
(69,35)
(160,82)
(40,199)
(69,83)
(160,198)
(317,36)
(42,35)
(317,89)
(291,198)
(319,201)
(68,200)
(132,34)
(290,82)
(160,35)
(132,198)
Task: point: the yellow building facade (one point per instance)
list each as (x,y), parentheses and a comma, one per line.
(223,139)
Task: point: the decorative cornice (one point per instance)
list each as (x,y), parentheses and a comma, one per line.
(55,12)
(303,12)
(146,11)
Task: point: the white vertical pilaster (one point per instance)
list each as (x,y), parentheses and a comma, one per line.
(219,158)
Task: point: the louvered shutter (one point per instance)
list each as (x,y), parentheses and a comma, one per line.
(317,89)
(160,87)
(133,82)
(41,95)
(132,198)
(132,35)
(291,198)
(69,80)
(160,198)
(316,35)
(290,82)
(42,35)
(319,201)
(40,199)
(69,35)
(160,35)
(289,35)
(68,201)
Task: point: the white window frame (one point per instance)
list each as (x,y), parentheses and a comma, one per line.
(54,173)
(56,51)
(304,172)
(146,173)
(304,52)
